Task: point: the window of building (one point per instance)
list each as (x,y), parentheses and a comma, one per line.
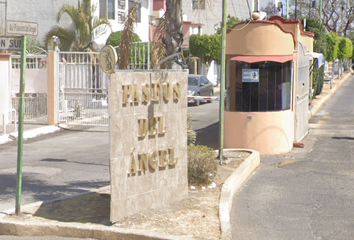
(103,8)
(138,17)
(111,9)
(258,87)
(121,5)
(107,9)
(198,4)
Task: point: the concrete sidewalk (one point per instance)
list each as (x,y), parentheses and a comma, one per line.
(29,131)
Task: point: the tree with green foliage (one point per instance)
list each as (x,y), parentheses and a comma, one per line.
(206,47)
(345,50)
(332,42)
(130,51)
(80,36)
(115,37)
(314,25)
(230,22)
(115,40)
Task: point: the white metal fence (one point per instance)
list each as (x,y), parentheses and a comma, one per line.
(33,61)
(35,107)
(82,86)
(36,88)
(140,55)
(82,90)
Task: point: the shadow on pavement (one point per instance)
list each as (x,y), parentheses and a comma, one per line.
(89,208)
(43,191)
(209,136)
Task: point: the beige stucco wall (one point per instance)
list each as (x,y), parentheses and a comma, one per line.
(4,86)
(146,188)
(259,39)
(52,88)
(36,80)
(307,41)
(266,132)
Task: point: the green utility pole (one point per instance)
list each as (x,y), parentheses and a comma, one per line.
(222,82)
(20,128)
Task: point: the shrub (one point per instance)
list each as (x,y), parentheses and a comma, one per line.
(318,75)
(202,166)
(115,37)
(191,134)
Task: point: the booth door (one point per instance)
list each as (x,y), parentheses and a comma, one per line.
(302,96)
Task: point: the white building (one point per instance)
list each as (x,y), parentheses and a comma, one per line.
(209,12)
(44,13)
(207,15)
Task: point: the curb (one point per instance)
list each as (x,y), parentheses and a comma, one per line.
(231,186)
(35,132)
(29,133)
(79,230)
(325,98)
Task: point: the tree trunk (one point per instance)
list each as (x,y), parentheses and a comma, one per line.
(174,31)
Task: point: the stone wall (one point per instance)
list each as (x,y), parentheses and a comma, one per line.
(148,140)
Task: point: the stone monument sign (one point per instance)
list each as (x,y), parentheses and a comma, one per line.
(148,140)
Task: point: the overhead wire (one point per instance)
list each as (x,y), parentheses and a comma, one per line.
(248,21)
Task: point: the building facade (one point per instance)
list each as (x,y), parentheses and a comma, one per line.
(44,13)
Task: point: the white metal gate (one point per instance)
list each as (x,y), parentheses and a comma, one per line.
(302,98)
(82,90)
(36,88)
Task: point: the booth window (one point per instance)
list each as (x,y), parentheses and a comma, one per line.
(258,87)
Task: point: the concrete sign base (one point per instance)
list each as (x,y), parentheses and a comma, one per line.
(148,140)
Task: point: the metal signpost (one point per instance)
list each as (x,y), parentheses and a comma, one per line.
(20,128)
(222,81)
(19,43)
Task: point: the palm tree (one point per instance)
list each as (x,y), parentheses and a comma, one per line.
(168,36)
(80,36)
(174,32)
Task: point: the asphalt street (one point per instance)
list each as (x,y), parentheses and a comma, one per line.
(205,121)
(55,166)
(73,162)
(307,193)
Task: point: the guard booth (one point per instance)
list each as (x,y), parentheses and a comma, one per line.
(267,85)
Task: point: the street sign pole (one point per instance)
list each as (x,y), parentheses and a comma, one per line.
(20,128)
(222,82)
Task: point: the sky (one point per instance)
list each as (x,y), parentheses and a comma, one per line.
(263,3)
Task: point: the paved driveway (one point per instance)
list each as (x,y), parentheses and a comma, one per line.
(308,193)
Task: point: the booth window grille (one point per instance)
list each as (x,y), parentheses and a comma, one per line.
(271,91)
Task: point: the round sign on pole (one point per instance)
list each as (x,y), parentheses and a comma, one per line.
(108,59)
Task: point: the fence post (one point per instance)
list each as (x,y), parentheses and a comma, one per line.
(148,61)
(53,89)
(4,124)
(5,66)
